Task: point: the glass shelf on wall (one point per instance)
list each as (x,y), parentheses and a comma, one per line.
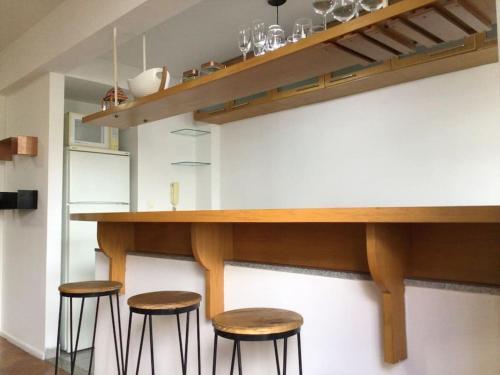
(191,163)
(190,132)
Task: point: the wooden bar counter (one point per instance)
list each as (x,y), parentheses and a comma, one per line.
(459,244)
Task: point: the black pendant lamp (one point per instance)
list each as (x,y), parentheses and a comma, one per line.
(277,4)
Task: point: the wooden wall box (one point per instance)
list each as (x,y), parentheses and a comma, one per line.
(20,145)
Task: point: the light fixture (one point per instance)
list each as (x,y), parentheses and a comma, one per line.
(277,4)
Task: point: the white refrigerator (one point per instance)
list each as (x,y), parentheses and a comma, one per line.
(94,181)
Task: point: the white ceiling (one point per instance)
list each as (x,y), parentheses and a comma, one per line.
(17,16)
(84,90)
(206,31)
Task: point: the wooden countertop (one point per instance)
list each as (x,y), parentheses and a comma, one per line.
(465,214)
(460,244)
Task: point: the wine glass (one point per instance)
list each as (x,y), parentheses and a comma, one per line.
(245,41)
(302,28)
(345,10)
(372,5)
(323,7)
(259,37)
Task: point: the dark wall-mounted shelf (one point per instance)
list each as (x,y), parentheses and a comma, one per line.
(21,200)
(21,145)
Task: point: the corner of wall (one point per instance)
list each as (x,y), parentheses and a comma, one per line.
(55,150)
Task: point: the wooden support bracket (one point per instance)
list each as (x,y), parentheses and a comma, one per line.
(212,243)
(115,240)
(388,248)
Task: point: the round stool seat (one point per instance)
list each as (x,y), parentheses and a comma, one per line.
(258,321)
(86,288)
(165,300)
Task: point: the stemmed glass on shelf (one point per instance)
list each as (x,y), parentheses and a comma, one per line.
(324,8)
(372,5)
(345,10)
(245,41)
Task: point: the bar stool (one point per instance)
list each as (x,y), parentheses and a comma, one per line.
(83,290)
(164,303)
(258,324)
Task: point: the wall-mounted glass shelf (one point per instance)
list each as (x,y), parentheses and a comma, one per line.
(190,132)
(191,163)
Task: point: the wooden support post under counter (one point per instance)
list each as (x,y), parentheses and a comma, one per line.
(460,244)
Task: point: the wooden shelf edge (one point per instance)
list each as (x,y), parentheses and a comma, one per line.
(20,145)
(476,51)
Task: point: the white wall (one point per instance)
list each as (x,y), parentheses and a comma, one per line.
(80,107)
(157,148)
(129,141)
(430,142)
(449,332)
(32,239)
(101,71)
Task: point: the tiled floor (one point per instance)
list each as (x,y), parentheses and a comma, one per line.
(14,361)
(82,362)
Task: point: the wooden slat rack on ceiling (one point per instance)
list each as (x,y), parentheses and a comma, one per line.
(405,27)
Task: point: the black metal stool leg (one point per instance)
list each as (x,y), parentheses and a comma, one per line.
(183,351)
(238,348)
(277,357)
(128,342)
(140,345)
(114,334)
(151,344)
(119,327)
(71,330)
(73,360)
(233,358)
(58,334)
(299,344)
(214,362)
(198,336)
(93,336)
(186,343)
(285,350)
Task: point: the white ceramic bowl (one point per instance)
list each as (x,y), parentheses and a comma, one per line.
(148,82)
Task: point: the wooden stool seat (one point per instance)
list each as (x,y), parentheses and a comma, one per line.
(90,287)
(258,321)
(164,303)
(165,300)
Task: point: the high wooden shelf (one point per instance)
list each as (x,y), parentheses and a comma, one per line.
(404,27)
(472,51)
(21,145)
(460,244)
